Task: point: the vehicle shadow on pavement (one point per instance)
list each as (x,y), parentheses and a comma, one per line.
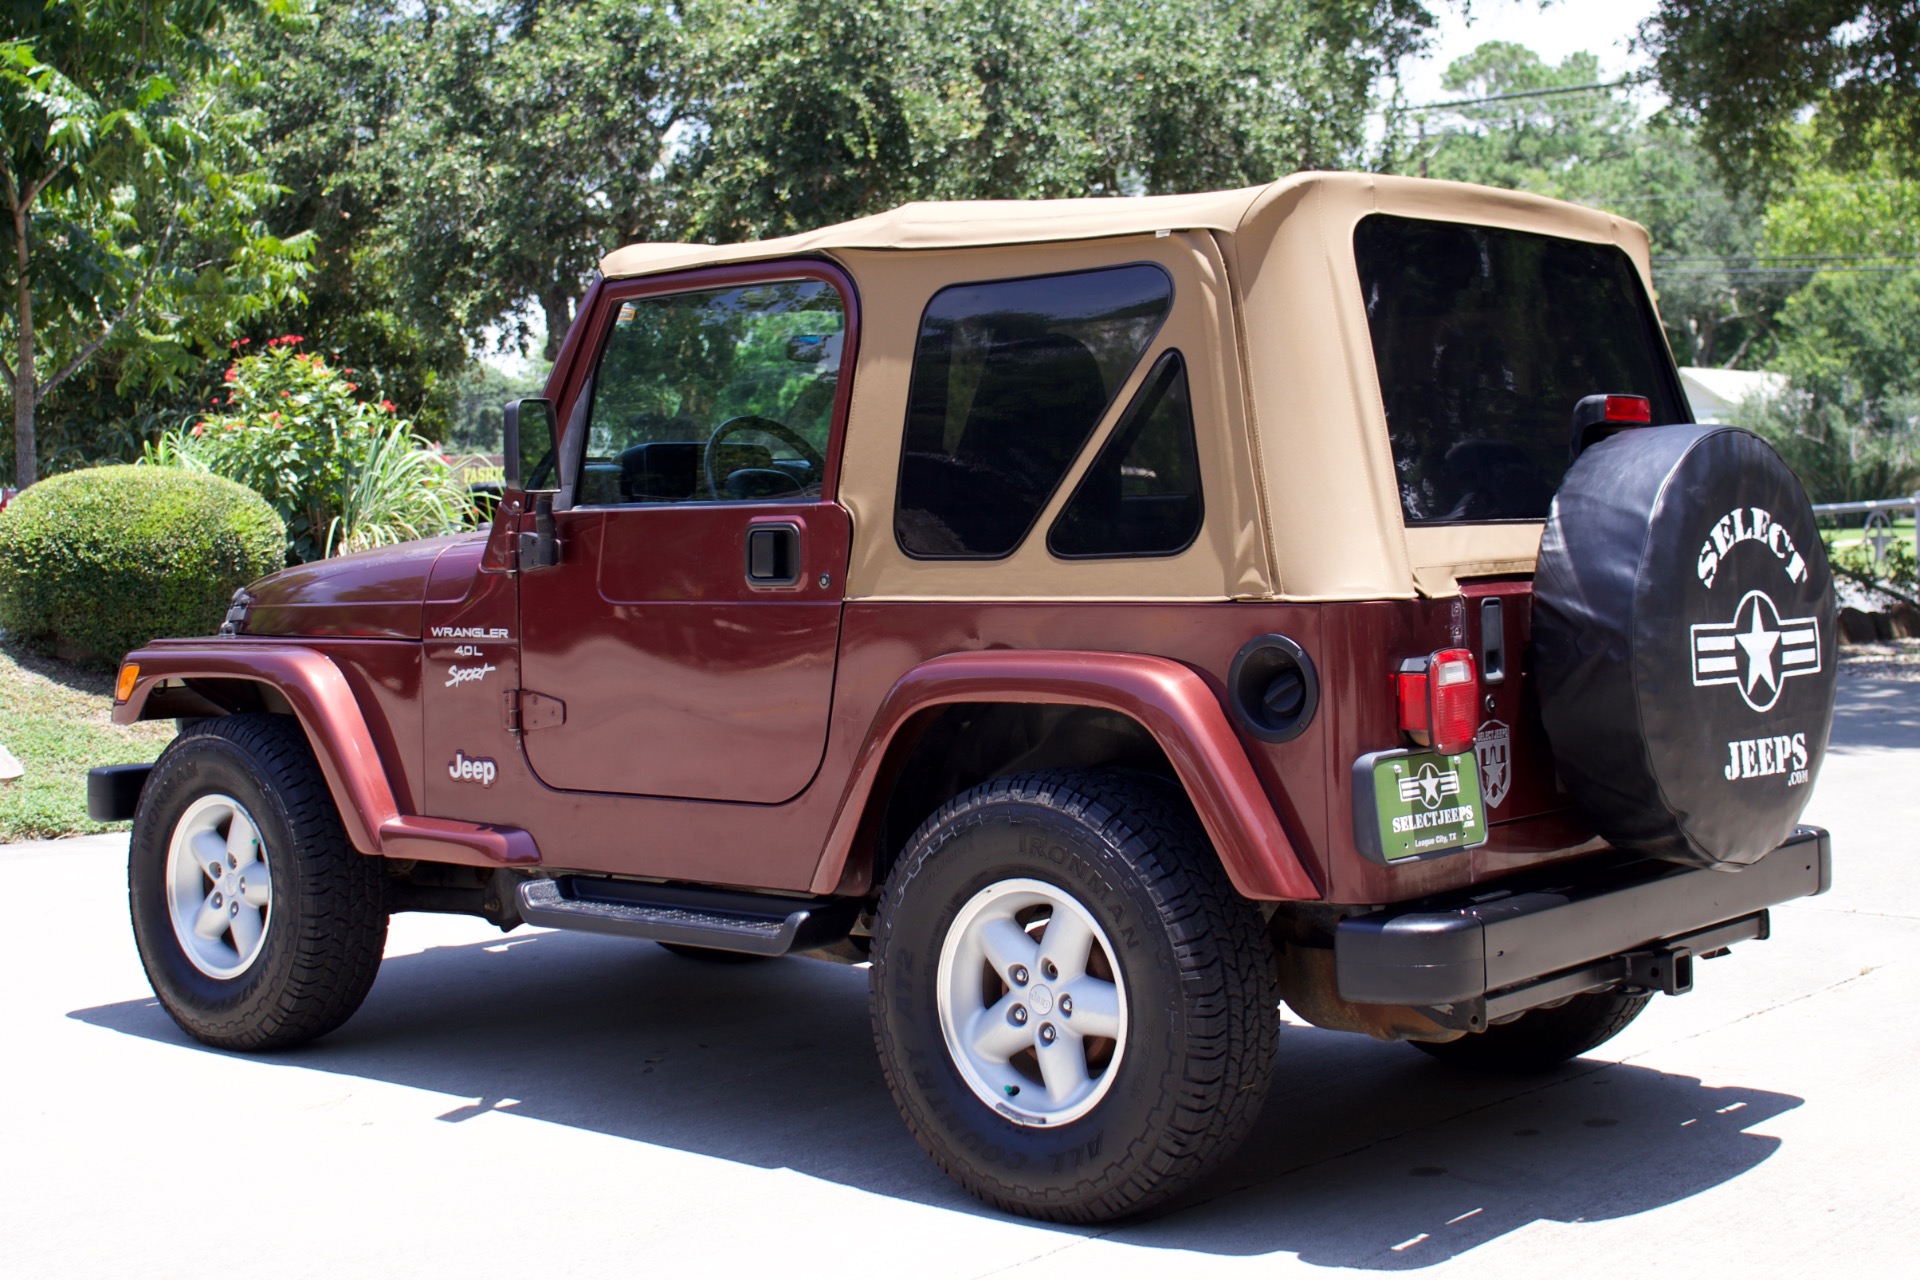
(1876,715)
(1369,1155)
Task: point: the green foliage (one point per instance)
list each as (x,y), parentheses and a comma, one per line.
(1895,572)
(57,722)
(1744,73)
(343,474)
(1591,146)
(1838,454)
(136,199)
(811,113)
(96,563)
(475,400)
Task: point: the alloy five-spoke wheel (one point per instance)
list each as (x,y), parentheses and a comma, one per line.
(1031,1004)
(258,922)
(219,886)
(1075,1011)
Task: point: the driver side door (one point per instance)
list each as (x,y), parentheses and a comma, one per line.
(684,646)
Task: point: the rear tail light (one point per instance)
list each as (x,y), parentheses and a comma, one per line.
(1439,698)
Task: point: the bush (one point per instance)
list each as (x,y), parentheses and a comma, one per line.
(1842,452)
(95,563)
(343,474)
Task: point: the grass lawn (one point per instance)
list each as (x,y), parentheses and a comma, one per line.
(55,719)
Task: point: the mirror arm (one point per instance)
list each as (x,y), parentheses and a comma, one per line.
(541,548)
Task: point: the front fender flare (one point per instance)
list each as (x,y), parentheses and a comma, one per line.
(1171,701)
(322,701)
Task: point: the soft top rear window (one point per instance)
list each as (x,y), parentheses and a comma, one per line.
(1485,339)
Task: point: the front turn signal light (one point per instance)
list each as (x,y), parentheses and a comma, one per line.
(129,676)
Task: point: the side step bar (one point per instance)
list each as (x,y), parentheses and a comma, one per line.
(758,924)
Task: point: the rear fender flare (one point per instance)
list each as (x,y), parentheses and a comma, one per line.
(322,701)
(1170,701)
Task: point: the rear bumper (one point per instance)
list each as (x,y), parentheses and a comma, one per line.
(1636,924)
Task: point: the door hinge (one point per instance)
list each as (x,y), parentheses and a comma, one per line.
(527,711)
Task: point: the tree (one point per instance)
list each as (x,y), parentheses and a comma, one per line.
(133,201)
(1572,138)
(817,112)
(1744,71)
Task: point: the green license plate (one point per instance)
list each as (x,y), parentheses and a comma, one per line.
(1428,803)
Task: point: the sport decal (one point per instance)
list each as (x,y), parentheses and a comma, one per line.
(1757,652)
(459,675)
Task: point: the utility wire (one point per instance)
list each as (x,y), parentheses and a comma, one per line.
(1510,97)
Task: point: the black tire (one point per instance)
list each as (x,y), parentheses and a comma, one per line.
(1544,1038)
(1676,737)
(1191,1066)
(712,955)
(326,924)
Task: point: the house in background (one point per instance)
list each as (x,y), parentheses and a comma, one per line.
(1715,393)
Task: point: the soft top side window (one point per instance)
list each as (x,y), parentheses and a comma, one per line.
(1141,496)
(1485,339)
(1010,378)
(715,395)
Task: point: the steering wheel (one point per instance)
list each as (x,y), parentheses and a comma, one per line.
(766,426)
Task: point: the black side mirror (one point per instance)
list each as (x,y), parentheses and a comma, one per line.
(531,450)
(529,460)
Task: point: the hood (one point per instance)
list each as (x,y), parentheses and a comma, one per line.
(371,594)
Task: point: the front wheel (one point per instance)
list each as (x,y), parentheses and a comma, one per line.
(260,926)
(1074,1010)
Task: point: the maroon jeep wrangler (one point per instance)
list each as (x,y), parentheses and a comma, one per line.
(1108,619)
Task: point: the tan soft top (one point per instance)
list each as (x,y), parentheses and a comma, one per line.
(963,224)
(1306,505)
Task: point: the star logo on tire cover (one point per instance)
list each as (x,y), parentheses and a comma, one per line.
(1758,652)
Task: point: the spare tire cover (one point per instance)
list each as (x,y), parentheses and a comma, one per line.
(1683,632)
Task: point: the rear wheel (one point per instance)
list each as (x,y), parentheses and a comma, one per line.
(1544,1038)
(259,924)
(1074,1010)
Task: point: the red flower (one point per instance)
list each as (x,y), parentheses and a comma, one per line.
(233,373)
(286,395)
(199,428)
(353,386)
(349,373)
(388,406)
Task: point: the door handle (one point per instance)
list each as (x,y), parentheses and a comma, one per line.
(773,555)
(1493,641)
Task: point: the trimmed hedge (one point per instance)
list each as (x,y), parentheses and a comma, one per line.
(96,563)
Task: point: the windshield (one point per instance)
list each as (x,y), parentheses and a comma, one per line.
(1485,339)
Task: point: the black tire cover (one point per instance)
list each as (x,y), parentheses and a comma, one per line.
(1683,633)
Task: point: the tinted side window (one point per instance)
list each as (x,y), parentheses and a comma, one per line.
(1485,340)
(717,395)
(1009,381)
(1141,496)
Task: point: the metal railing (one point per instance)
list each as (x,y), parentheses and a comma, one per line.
(1878,531)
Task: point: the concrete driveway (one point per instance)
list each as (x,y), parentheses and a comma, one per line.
(561,1104)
